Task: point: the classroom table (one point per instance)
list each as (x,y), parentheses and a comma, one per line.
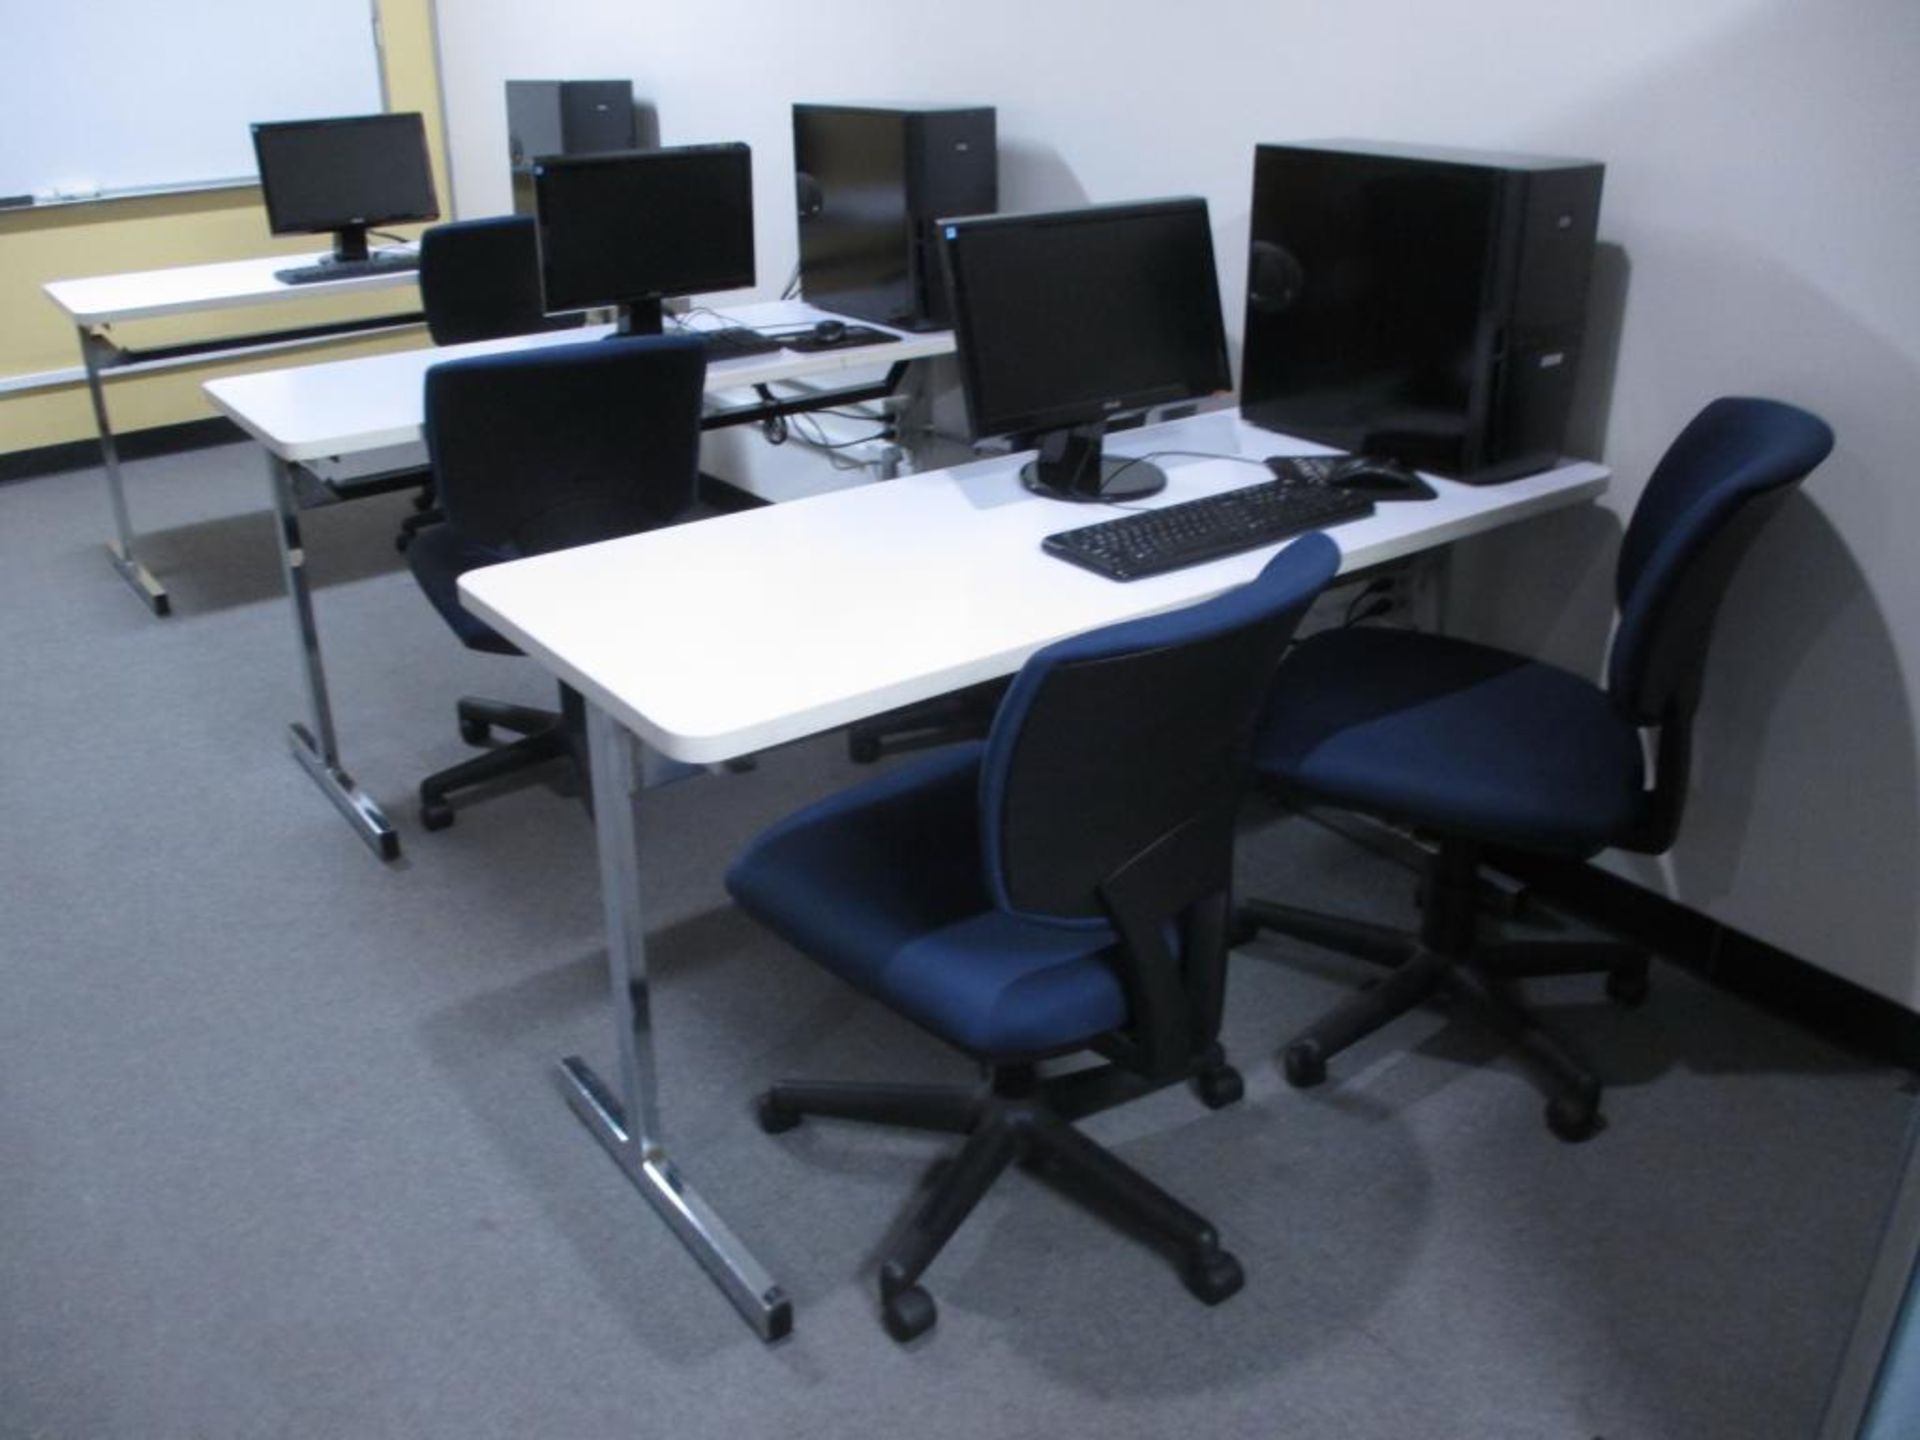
(94,304)
(316,420)
(807,616)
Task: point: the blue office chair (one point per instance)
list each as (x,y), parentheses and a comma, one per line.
(1059,887)
(1478,748)
(537,451)
(479,280)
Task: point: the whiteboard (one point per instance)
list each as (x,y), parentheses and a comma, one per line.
(115,95)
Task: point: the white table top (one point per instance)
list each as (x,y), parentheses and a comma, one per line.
(717,638)
(345,407)
(143,294)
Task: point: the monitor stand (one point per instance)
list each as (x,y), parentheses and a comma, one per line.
(1071,467)
(639,317)
(349,245)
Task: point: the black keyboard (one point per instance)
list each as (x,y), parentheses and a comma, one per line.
(733,343)
(1150,542)
(381,262)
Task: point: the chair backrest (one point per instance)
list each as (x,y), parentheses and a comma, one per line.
(480,280)
(1709,496)
(541,449)
(1135,736)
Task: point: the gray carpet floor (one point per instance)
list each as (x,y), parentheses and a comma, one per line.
(280,1152)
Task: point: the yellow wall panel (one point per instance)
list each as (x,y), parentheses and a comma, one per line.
(152,232)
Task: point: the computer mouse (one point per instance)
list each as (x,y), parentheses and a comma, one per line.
(829,332)
(1378,479)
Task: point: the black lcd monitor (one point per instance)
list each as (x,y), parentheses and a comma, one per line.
(633,227)
(1069,319)
(345,175)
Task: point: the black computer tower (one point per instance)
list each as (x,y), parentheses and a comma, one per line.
(1417,303)
(871,182)
(564,117)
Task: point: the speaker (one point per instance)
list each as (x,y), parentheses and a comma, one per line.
(870,182)
(564,117)
(1420,304)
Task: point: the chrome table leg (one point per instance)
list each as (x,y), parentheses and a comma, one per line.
(627,1123)
(316,748)
(151,592)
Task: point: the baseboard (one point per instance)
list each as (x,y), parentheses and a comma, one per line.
(133,445)
(1846,1014)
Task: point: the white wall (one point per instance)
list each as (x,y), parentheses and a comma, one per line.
(1762,234)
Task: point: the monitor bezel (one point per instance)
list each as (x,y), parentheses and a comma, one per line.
(1026,423)
(546,164)
(278,224)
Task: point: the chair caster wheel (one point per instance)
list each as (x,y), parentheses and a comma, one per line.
(1628,984)
(862,749)
(435,814)
(1305,1066)
(475,732)
(1219,1087)
(774,1118)
(1575,1119)
(908,1314)
(1213,1276)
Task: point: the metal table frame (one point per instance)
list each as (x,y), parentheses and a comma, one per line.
(101,355)
(296,486)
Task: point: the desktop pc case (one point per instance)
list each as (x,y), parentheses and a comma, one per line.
(871,182)
(1421,304)
(564,117)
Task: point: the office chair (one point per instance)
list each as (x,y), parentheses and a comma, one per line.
(479,280)
(537,451)
(1477,747)
(1059,887)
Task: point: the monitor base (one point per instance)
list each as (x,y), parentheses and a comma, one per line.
(1120,479)
(1071,467)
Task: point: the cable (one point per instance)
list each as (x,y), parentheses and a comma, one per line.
(727,322)
(828,449)
(779,429)
(822,444)
(820,441)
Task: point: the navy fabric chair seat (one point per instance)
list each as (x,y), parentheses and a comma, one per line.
(1453,736)
(1061,886)
(931,945)
(438,558)
(1475,747)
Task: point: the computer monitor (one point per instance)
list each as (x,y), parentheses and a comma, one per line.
(1068,319)
(345,175)
(634,227)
